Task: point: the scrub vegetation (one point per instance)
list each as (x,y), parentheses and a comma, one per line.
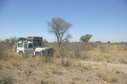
(89,63)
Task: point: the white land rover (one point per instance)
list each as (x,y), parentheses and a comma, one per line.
(27,47)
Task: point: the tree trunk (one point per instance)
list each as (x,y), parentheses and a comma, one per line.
(61,52)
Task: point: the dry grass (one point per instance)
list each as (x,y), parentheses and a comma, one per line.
(83,63)
(6,78)
(116,53)
(3,51)
(108,77)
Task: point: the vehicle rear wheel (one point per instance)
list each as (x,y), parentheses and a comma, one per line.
(21,53)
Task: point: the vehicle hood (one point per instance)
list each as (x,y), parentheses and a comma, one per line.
(41,49)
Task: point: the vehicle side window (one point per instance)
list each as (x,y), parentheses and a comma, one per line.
(20,45)
(30,45)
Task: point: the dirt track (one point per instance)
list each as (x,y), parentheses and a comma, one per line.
(105,65)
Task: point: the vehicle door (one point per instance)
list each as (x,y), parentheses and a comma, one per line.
(29,49)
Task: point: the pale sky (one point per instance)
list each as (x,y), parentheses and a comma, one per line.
(106,20)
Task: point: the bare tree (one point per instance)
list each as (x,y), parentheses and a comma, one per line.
(59,28)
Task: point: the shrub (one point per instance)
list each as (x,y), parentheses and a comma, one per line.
(3,51)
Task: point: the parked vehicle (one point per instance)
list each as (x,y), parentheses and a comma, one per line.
(33,46)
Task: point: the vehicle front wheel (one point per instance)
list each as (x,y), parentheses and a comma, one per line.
(37,54)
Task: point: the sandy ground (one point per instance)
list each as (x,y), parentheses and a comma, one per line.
(32,71)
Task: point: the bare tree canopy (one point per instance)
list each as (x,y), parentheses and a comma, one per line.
(59,28)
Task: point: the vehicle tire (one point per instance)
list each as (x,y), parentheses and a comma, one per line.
(37,54)
(20,53)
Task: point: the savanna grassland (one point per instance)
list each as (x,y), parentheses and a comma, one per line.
(84,63)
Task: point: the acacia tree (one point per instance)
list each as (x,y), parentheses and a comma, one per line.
(85,38)
(59,28)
